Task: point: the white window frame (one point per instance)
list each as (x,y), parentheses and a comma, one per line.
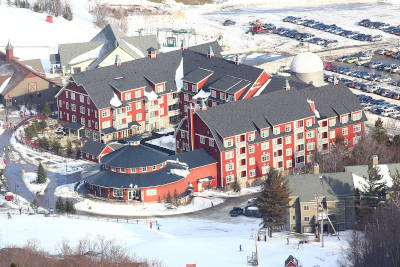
(357,128)
(229,166)
(73,118)
(345,131)
(117,192)
(309,123)
(138,94)
(277,130)
(139,117)
(73,107)
(288,128)
(288,140)
(72,95)
(252,149)
(251,137)
(211,142)
(252,173)
(265,157)
(229,155)
(151,192)
(265,145)
(252,161)
(289,151)
(229,178)
(82,98)
(202,140)
(82,109)
(332,122)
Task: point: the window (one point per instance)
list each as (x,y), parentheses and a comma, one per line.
(265,145)
(229,166)
(128,96)
(138,105)
(73,107)
(229,178)
(67,117)
(332,122)
(95,114)
(222,95)
(300,124)
(60,103)
(306,219)
(105,124)
(72,95)
(252,173)
(310,146)
(82,98)
(138,94)
(194,88)
(288,128)
(144,169)
(228,143)
(185,97)
(288,139)
(229,155)
(277,130)
(139,117)
(345,142)
(356,116)
(252,136)
(332,134)
(345,118)
(309,123)
(161,112)
(82,109)
(60,115)
(66,94)
(89,123)
(128,108)
(288,151)
(96,125)
(265,157)
(213,93)
(211,142)
(122,170)
(344,131)
(310,134)
(117,192)
(300,136)
(265,169)
(73,118)
(289,163)
(356,139)
(88,112)
(300,147)
(357,128)
(252,161)
(88,100)
(160,88)
(83,121)
(151,192)
(202,140)
(306,207)
(66,105)
(185,86)
(105,113)
(182,134)
(154,167)
(251,149)
(264,133)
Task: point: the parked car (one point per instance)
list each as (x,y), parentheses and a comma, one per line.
(236,211)
(252,211)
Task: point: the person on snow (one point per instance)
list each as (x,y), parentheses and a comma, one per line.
(287,240)
(240,247)
(8,215)
(151,225)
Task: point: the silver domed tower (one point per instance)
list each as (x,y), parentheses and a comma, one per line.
(308,67)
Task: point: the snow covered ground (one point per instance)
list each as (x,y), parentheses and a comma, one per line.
(144,209)
(30,178)
(51,162)
(164,141)
(230,193)
(178,242)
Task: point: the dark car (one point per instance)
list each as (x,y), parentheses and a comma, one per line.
(229,22)
(236,211)
(252,211)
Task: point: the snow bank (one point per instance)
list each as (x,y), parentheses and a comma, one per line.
(164,141)
(66,191)
(30,178)
(144,209)
(230,193)
(360,183)
(4,84)
(179,76)
(202,94)
(180,172)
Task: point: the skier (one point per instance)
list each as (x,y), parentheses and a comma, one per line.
(240,247)
(287,240)
(151,225)
(20,211)
(9,148)
(8,215)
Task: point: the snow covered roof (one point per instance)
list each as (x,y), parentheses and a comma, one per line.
(306,62)
(115,102)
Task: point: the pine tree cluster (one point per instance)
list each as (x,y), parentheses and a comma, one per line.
(41,175)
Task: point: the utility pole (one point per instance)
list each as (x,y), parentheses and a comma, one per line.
(322,227)
(255,239)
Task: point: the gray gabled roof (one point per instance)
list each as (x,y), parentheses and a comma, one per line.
(197,75)
(275,108)
(100,83)
(109,38)
(93,147)
(196,158)
(330,185)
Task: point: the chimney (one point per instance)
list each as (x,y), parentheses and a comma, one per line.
(9,51)
(151,52)
(237,60)
(191,109)
(375,160)
(312,104)
(117,61)
(210,52)
(316,168)
(183,45)
(203,105)
(287,85)
(335,80)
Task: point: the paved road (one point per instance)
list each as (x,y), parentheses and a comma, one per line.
(14,178)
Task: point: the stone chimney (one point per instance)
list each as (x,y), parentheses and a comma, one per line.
(117,61)
(191,109)
(210,53)
(151,52)
(312,104)
(287,85)
(237,60)
(316,168)
(375,160)
(9,51)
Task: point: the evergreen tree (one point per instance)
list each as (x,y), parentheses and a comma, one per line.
(69,148)
(44,143)
(372,192)
(169,198)
(41,175)
(396,140)
(380,132)
(67,12)
(46,109)
(236,186)
(69,207)
(60,205)
(55,146)
(175,197)
(34,204)
(274,200)
(379,124)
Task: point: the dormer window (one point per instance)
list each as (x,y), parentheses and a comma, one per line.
(356,116)
(214,93)
(194,88)
(252,136)
(185,86)
(264,133)
(288,128)
(277,130)
(228,143)
(345,118)
(160,88)
(128,96)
